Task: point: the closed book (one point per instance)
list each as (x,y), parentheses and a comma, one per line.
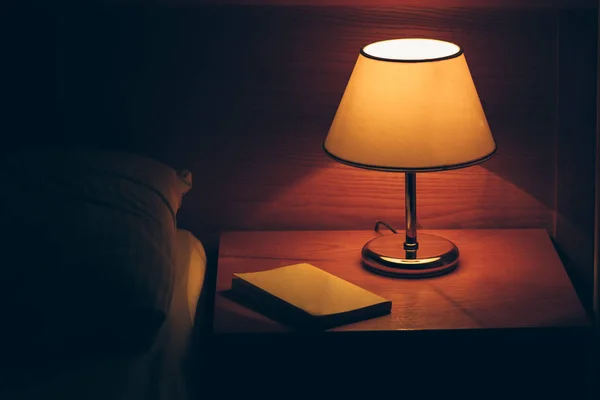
(306,297)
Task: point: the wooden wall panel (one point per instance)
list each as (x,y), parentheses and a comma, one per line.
(514,4)
(243,96)
(576,147)
(272,115)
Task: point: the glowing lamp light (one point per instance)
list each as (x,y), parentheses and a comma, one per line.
(410,106)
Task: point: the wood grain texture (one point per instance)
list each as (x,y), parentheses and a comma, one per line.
(506,279)
(263,124)
(243,97)
(576,145)
(515,4)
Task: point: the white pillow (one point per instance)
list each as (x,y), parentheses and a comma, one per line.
(91,248)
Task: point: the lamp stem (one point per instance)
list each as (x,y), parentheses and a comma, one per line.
(410,190)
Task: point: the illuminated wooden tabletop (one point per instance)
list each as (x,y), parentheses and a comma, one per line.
(511,278)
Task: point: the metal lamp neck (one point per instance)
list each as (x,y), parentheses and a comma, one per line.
(410,191)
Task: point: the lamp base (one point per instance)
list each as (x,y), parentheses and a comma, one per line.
(386,255)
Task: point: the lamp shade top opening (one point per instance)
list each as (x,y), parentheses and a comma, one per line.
(411,50)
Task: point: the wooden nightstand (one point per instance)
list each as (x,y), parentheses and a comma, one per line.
(509,313)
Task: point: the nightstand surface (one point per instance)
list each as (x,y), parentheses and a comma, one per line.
(510,278)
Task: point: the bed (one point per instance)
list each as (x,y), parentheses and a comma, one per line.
(102,301)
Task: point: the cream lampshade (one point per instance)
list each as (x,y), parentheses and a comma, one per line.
(410,106)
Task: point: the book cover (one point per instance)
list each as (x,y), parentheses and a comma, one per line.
(306,297)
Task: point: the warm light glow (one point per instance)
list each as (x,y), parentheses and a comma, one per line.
(411,49)
(410,116)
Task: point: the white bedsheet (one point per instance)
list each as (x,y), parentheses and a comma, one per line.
(159,374)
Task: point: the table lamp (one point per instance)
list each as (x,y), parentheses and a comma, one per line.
(410,106)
